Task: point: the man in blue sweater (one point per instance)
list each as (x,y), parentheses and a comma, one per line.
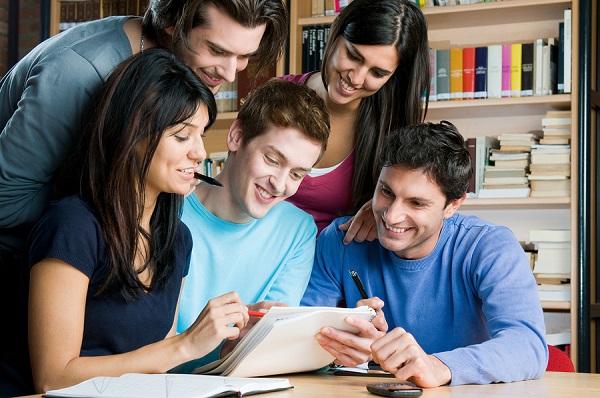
(457,292)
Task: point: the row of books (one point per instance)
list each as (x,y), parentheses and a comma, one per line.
(542,67)
(322,8)
(442,3)
(314,38)
(76,12)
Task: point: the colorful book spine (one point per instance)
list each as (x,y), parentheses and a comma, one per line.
(494,72)
(481,55)
(456,74)
(443,74)
(468,62)
(515,69)
(526,69)
(506,70)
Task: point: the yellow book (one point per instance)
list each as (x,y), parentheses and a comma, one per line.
(515,69)
(456,74)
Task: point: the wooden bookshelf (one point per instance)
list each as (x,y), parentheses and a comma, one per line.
(483,24)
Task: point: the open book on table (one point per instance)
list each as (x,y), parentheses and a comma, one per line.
(283,341)
(137,385)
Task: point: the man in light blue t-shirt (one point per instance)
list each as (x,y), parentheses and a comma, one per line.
(246,237)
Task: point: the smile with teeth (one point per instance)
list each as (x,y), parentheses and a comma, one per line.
(264,193)
(187,171)
(396,230)
(346,87)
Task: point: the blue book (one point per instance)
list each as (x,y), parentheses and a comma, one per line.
(481,55)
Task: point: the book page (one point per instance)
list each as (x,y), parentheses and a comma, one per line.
(137,385)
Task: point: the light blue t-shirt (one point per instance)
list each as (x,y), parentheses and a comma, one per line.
(266,259)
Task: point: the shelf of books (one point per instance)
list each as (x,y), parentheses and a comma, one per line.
(502,73)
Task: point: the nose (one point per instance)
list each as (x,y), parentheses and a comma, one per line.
(230,67)
(357,76)
(395,213)
(198,152)
(278,182)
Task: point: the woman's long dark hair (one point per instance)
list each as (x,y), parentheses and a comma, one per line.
(145,95)
(398,103)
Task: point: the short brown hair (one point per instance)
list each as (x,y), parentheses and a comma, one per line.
(285,104)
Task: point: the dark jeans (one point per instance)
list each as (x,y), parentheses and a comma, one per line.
(15,371)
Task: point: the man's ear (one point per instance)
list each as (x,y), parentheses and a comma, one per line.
(234,136)
(169,30)
(453,206)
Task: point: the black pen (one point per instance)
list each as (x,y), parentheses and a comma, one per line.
(208,179)
(359,284)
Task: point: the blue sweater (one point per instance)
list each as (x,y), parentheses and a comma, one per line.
(472,302)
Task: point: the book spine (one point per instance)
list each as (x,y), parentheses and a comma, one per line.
(494,81)
(329,7)
(527,69)
(432,74)
(443,74)
(506,70)
(545,70)
(567,53)
(468,73)
(560,73)
(553,49)
(538,66)
(305,49)
(471,147)
(318,8)
(456,74)
(312,45)
(320,46)
(515,70)
(481,54)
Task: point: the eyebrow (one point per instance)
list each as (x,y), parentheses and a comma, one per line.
(283,157)
(362,58)
(224,50)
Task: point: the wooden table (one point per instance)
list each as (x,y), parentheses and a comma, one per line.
(551,385)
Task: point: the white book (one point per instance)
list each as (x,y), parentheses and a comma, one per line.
(550,235)
(567,52)
(138,385)
(546,70)
(494,71)
(283,341)
(538,65)
(554,292)
(504,193)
